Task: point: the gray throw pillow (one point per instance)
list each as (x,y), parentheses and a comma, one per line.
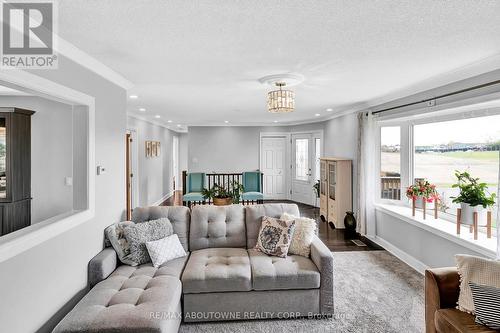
(116,237)
(138,234)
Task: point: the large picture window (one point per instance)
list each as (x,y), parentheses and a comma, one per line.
(434,150)
(470,145)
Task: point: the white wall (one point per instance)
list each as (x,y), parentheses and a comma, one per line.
(155,173)
(231,148)
(39,286)
(51,154)
(418,247)
(341,140)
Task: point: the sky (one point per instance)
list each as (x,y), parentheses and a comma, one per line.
(473,130)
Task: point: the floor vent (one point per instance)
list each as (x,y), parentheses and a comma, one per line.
(358,242)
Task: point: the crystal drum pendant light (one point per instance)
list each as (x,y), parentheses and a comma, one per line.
(280,101)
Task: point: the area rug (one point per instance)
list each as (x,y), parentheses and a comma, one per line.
(374,292)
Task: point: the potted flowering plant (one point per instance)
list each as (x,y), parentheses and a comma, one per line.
(422,191)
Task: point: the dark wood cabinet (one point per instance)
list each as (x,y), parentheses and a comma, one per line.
(15,169)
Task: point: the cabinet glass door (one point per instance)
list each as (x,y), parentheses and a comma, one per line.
(3,158)
(332,170)
(323,178)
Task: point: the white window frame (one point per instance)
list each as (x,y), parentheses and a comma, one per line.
(407,149)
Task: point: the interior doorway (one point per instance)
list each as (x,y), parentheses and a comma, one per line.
(175,163)
(132,186)
(273,164)
(306,150)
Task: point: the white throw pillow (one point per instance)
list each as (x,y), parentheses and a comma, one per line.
(302,237)
(165,249)
(476,270)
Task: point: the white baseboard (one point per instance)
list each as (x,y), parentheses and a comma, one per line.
(165,197)
(400,254)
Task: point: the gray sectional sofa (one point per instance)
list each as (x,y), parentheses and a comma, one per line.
(222,278)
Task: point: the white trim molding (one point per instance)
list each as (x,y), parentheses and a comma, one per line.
(400,254)
(72,52)
(162,199)
(25,239)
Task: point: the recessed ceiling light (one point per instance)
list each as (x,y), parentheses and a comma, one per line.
(275,121)
(329,110)
(169,121)
(179,125)
(134,97)
(157,116)
(226,121)
(142,109)
(317,114)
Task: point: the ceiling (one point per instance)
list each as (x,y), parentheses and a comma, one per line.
(198,62)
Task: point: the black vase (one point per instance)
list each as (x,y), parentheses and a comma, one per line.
(350,224)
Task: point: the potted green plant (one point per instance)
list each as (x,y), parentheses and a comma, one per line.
(224,195)
(422,191)
(473,198)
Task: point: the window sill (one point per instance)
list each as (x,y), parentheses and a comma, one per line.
(444,229)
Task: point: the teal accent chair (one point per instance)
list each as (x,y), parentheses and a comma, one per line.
(252,187)
(195,184)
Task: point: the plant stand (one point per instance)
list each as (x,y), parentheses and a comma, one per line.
(474,227)
(424,208)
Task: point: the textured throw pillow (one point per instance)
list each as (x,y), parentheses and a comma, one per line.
(165,249)
(138,234)
(487,305)
(302,237)
(476,270)
(275,236)
(116,236)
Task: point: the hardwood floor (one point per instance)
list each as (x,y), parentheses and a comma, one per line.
(335,239)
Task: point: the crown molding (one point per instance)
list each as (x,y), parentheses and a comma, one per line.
(157,123)
(84,59)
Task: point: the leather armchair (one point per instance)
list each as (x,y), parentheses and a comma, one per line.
(442,287)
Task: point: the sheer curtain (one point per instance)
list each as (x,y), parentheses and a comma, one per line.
(366,174)
(498,212)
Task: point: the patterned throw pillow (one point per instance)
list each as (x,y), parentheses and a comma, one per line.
(305,229)
(165,249)
(138,234)
(275,236)
(487,305)
(116,236)
(476,270)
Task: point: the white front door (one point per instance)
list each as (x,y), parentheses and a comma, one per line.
(302,168)
(273,167)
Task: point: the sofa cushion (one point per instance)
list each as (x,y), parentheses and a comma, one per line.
(254,214)
(128,301)
(217,269)
(454,320)
(217,226)
(139,234)
(273,273)
(179,216)
(275,236)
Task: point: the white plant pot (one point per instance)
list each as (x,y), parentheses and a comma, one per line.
(419,202)
(468,211)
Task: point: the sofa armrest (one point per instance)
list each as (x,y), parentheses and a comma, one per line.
(323,259)
(101,266)
(442,286)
